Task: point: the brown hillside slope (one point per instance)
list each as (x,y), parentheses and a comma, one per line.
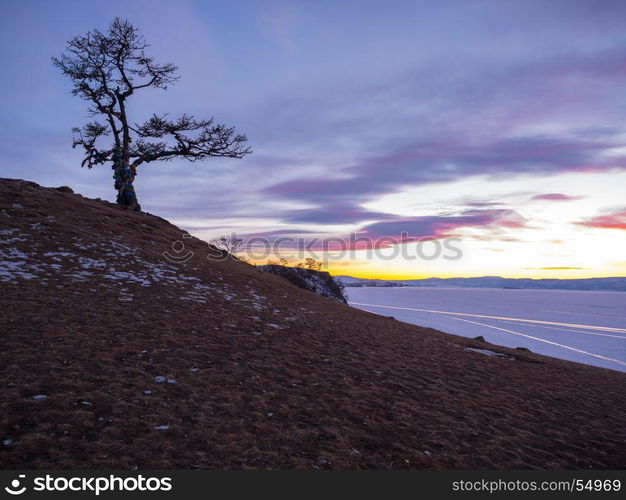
(267,375)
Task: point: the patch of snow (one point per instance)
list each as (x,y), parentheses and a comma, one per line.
(80,275)
(12,254)
(488,352)
(13,264)
(59,254)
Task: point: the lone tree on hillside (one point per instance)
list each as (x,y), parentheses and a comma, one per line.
(108,68)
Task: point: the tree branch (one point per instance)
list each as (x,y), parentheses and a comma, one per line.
(188,138)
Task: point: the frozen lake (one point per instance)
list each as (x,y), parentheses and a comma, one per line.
(584,326)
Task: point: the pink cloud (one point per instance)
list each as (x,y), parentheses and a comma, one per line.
(555,197)
(615,220)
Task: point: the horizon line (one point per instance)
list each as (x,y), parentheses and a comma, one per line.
(476,277)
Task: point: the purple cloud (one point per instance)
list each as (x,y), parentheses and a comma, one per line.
(443,226)
(555,197)
(408,229)
(335,213)
(396,230)
(430,163)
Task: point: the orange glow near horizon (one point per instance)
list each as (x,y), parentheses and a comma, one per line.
(576,235)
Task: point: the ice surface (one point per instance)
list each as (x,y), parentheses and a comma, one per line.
(583,326)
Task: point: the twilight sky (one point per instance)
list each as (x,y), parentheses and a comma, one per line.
(501,123)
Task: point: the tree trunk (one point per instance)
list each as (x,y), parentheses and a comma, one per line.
(125,173)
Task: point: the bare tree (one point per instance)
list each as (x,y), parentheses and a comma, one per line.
(280,262)
(230,244)
(312,264)
(107,69)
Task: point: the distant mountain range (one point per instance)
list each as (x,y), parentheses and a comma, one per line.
(617,284)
